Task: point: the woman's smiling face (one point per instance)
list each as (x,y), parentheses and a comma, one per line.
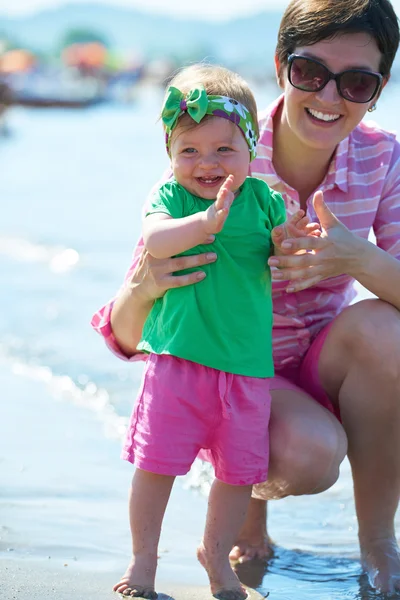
(321,120)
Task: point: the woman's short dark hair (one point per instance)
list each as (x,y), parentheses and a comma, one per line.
(307,22)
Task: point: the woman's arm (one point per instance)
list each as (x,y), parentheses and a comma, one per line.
(379,272)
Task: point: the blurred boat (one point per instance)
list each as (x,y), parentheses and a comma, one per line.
(39,101)
(43,88)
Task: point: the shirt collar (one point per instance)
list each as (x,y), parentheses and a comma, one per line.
(338,169)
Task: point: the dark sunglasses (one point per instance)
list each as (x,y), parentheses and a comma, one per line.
(355,85)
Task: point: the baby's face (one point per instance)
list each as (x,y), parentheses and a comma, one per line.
(202,156)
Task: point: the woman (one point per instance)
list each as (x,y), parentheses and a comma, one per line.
(337,384)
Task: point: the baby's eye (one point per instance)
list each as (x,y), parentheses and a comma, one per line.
(224,149)
(189,150)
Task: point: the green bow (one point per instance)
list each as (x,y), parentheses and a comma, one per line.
(195,103)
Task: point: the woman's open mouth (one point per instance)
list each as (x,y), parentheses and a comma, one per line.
(322,118)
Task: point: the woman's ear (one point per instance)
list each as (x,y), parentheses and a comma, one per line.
(278,71)
(372,105)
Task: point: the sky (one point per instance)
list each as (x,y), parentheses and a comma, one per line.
(213,9)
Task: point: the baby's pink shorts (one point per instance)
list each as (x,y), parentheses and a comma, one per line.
(183,408)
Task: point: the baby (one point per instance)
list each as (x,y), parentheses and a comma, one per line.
(205,385)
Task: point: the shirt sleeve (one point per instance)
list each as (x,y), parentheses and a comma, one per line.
(277,209)
(387,221)
(101,320)
(168,199)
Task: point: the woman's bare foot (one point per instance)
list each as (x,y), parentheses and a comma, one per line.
(253,540)
(138,580)
(224,583)
(380,560)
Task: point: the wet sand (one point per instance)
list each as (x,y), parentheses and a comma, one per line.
(63,505)
(38,581)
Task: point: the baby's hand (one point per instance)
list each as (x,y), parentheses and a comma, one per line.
(297,226)
(215,216)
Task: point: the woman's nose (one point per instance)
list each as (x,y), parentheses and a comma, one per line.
(329,93)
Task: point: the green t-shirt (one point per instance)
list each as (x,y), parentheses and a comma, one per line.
(225,320)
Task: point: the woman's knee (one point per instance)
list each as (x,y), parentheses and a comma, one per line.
(306,449)
(369,329)
(365,336)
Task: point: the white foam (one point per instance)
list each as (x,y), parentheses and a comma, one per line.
(63,388)
(58,258)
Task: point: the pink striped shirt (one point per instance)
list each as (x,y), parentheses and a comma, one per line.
(362,188)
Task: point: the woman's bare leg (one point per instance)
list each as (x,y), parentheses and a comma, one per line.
(227,507)
(148,500)
(307,445)
(360,366)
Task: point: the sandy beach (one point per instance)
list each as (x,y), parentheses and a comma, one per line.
(63,528)
(63,504)
(63,489)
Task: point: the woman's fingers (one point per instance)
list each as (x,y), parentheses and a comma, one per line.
(311,242)
(189,262)
(293,261)
(303,284)
(175,281)
(164,274)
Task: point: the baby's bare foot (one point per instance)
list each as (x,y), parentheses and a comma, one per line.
(138,580)
(224,582)
(380,560)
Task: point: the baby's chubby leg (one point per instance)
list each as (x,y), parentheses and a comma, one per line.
(148,500)
(227,506)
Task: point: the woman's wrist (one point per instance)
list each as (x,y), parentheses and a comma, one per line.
(360,258)
(357,257)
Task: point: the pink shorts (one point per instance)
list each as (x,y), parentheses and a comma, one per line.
(183,408)
(306,377)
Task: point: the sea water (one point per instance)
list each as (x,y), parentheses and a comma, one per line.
(71,188)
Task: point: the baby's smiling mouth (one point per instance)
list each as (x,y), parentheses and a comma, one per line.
(209,180)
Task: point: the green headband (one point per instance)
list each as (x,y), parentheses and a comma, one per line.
(197,104)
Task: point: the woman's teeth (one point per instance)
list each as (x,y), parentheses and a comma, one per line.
(322,116)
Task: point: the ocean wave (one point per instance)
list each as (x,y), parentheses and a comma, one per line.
(83,392)
(58,258)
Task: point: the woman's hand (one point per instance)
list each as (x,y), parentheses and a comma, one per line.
(154,276)
(150,280)
(308,260)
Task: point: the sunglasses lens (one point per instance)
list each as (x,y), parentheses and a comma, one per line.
(358,86)
(307,75)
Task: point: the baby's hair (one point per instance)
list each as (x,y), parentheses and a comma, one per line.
(217,81)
